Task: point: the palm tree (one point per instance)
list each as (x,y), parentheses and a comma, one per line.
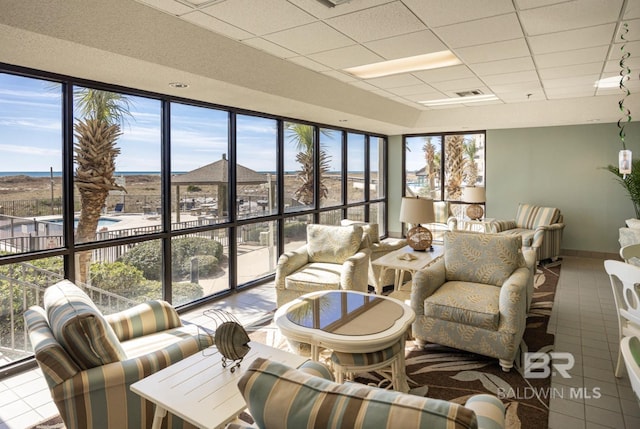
(429,153)
(96,133)
(302,136)
(470,167)
(454,163)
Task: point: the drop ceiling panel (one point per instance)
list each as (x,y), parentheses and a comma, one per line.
(391,19)
(407,45)
(412,90)
(460,85)
(524,76)
(266,16)
(569,15)
(170,6)
(520,88)
(630,47)
(574,39)
(481,31)
(580,56)
(394,81)
(343,58)
(569,71)
(529,4)
(587,82)
(445,73)
(310,38)
(570,92)
(441,13)
(210,23)
(493,51)
(511,65)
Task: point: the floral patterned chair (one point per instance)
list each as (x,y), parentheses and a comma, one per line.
(475,297)
(334,257)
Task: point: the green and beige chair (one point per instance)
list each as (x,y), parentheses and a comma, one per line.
(334,258)
(378,249)
(278,396)
(540,228)
(475,297)
(90,360)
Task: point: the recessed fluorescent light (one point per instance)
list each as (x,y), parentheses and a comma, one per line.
(405,65)
(461,100)
(609,82)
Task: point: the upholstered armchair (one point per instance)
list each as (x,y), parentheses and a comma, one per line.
(475,297)
(378,249)
(90,360)
(444,220)
(540,228)
(334,257)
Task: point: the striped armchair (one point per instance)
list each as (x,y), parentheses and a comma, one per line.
(90,360)
(540,228)
(279,396)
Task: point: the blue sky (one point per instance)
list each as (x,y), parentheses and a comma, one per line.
(31,135)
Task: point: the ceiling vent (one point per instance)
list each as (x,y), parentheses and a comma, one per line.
(469,93)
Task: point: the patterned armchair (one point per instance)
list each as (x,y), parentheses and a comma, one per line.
(475,297)
(445,220)
(90,360)
(378,249)
(335,257)
(540,228)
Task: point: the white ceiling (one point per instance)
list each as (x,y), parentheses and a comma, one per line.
(540,57)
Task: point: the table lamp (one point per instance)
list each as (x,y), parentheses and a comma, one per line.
(474,195)
(414,211)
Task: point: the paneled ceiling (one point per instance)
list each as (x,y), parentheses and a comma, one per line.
(519,50)
(541,58)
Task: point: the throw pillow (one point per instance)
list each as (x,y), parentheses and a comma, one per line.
(79,326)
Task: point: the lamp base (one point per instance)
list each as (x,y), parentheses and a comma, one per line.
(475,212)
(419,238)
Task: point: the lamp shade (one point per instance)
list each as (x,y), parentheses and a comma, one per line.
(417,210)
(473,194)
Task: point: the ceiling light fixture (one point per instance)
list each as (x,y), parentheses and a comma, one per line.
(433,60)
(461,100)
(609,82)
(178,85)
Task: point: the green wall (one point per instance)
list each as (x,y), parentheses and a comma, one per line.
(552,166)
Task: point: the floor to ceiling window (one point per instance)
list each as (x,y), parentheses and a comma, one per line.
(135,195)
(440,166)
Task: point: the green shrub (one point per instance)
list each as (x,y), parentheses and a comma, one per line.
(147,256)
(295,230)
(117,277)
(207,265)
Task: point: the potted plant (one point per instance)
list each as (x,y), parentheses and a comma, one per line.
(630,182)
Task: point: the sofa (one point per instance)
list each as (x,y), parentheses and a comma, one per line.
(475,297)
(378,248)
(89,360)
(334,257)
(444,220)
(540,228)
(630,234)
(278,396)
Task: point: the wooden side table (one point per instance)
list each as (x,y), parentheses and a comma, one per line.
(400,261)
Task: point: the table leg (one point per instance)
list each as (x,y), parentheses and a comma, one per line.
(158,416)
(403,385)
(383,271)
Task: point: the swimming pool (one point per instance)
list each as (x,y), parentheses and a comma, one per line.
(53,226)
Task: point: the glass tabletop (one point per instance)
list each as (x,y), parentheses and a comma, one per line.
(347,313)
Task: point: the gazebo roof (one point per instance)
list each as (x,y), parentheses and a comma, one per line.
(217,173)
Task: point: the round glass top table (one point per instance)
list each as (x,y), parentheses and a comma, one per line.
(345,321)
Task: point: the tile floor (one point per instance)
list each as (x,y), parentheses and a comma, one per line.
(583,320)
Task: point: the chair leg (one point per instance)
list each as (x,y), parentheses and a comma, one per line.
(618,365)
(506,365)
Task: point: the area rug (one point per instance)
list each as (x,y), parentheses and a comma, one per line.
(454,375)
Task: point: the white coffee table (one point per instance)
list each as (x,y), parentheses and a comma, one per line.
(395,261)
(199,390)
(347,321)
